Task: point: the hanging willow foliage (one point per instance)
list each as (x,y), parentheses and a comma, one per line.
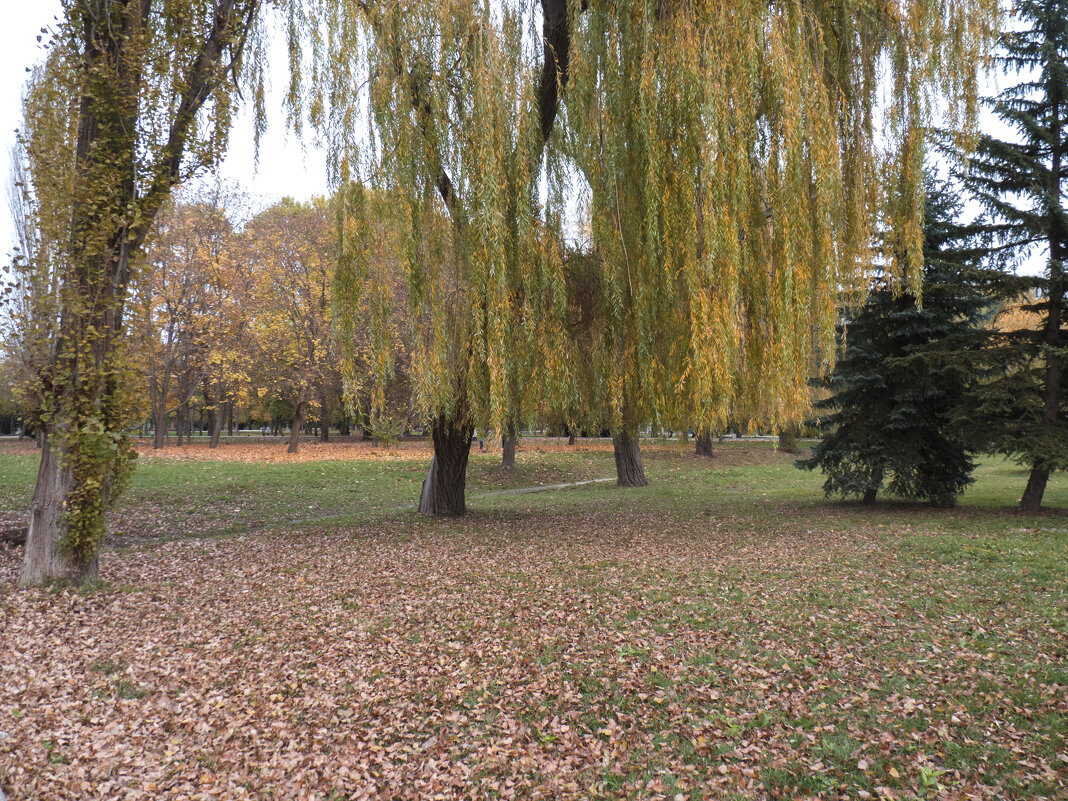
(449,131)
(738,156)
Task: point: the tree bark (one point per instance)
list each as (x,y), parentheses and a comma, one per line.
(45,559)
(508,447)
(1036,488)
(298,424)
(445,483)
(704,444)
(324,416)
(216,416)
(788,439)
(159,435)
(629,469)
(570,437)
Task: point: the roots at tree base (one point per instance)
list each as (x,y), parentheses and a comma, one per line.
(445,482)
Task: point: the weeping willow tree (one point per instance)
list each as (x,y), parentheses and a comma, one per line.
(135,95)
(738,155)
(461,98)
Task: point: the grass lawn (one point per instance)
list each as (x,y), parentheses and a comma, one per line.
(723,633)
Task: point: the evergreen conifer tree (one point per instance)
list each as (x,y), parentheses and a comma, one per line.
(892,412)
(1022,411)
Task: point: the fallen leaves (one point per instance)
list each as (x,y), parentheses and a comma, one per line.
(607,652)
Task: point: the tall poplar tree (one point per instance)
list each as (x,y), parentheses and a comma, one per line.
(145,92)
(1023,181)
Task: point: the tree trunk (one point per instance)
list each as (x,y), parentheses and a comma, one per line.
(1036,488)
(873,489)
(629,470)
(298,425)
(39,438)
(179,424)
(704,444)
(788,439)
(159,436)
(44,558)
(445,483)
(216,416)
(324,416)
(570,437)
(508,446)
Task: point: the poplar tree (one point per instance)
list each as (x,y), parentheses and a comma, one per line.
(135,96)
(1022,182)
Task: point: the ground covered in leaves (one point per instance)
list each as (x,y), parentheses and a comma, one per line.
(724,633)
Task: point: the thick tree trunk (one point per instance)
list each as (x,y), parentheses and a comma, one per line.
(629,469)
(179,425)
(39,438)
(159,436)
(445,483)
(1036,488)
(508,447)
(570,437)
(788,439)
(45,559)
(298,425)
(704,444)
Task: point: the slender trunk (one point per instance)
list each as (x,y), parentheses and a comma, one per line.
(508,446)
(629,469)
(179,424)
(445,483)
(215,418)
(230,419)
(874,487)
(298,424)
(44,558)
(324,416)
(704,444)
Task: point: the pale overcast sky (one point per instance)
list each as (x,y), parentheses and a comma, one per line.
(285,167)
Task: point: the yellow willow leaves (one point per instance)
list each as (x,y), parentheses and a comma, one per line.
(742,138)
(455,155)
(736,155)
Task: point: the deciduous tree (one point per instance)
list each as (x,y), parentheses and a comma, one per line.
(145,92)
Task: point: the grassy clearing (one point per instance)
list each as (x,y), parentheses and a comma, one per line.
(723,633)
